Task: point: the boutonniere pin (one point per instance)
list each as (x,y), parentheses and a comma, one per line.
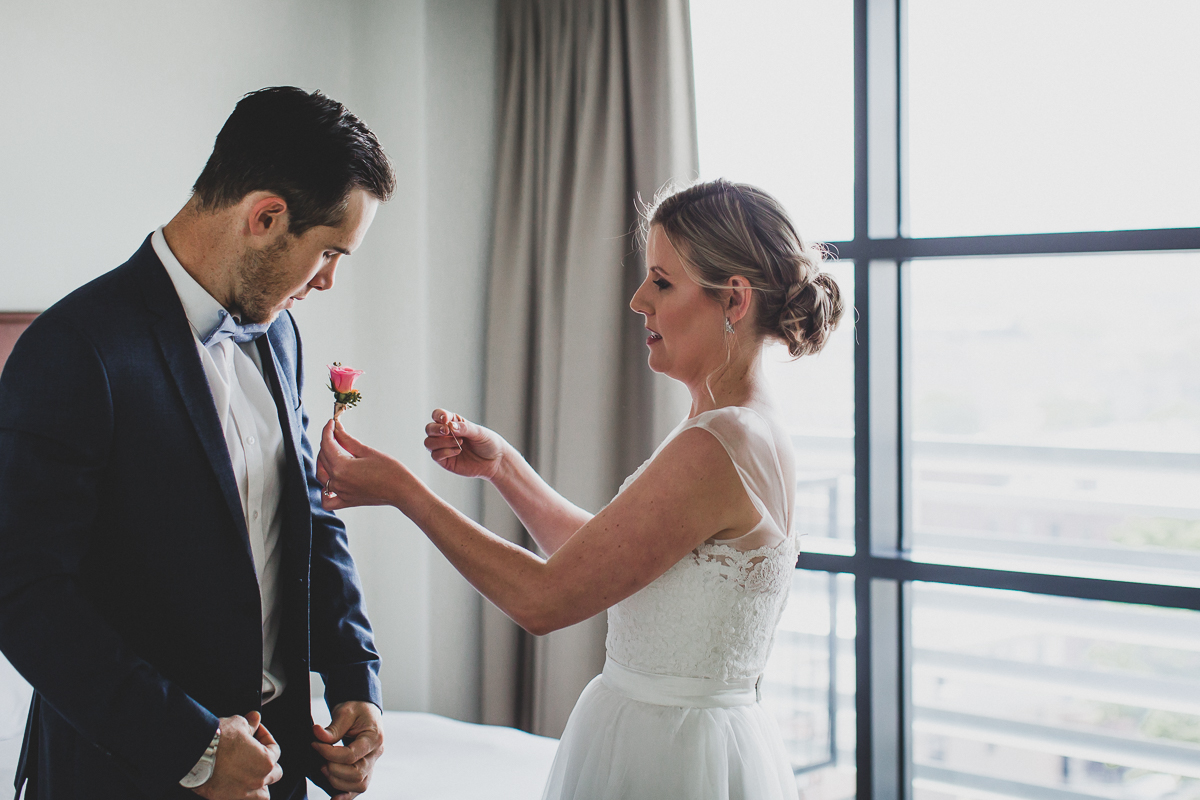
(341,383)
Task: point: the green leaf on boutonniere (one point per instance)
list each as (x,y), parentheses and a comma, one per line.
(347,399)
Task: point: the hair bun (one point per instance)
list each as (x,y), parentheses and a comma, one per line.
(810,311)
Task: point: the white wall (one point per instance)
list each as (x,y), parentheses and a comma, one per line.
(110,113)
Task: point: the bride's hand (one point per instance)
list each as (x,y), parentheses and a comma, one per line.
(463,447)
(354,474)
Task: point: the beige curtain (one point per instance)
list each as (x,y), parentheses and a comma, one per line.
(596,109)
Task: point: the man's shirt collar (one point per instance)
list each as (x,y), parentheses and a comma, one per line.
(202,309)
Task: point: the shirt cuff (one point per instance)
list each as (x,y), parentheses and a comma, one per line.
(203,770)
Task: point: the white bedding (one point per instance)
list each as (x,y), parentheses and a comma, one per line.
(14,707)
(436,758)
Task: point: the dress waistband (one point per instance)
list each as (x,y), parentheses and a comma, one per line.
(672,690)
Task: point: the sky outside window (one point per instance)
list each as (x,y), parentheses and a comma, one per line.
(1037,116)
(775,104)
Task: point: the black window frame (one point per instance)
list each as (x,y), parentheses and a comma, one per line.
(880,251)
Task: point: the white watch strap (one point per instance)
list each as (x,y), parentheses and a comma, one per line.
(204,767)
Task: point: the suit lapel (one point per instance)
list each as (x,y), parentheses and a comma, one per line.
(296,538)
(178,346)
(284,394)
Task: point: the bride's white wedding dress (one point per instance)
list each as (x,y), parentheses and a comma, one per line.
(675,713)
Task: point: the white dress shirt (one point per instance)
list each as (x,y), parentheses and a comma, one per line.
(253,435)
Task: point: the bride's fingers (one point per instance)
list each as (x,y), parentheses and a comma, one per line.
(441,442)
(448,423)
(348,443)
(445,454)
(329,446)
(437,429)
(327,460)
(447,420)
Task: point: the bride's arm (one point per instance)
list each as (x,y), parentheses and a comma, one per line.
(472,450)
(689,493)
(550,518)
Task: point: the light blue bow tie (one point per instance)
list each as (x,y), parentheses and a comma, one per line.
(230,329)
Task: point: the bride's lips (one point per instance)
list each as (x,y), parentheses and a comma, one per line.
(652,338)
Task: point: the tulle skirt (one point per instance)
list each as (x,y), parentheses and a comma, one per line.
(639,736)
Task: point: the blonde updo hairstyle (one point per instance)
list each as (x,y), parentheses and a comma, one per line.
(723,229)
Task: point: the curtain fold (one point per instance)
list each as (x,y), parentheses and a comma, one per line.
(597,109)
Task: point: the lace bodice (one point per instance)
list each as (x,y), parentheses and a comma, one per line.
(714,613)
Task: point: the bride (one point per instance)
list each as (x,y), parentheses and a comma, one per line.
(694,556)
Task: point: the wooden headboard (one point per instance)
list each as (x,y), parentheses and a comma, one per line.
(11,327)
(14,691)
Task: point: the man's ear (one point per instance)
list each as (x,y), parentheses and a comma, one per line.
(267,215)
(737,305)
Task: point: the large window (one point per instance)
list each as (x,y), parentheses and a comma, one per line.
(999,455)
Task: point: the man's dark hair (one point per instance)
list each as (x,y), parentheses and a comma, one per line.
(305,147)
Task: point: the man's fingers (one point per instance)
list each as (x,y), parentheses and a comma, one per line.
(262,734)
(275,776)
(349,766)
(362,746)
(345,754)
(322,734)
(337,727)
(267,740)
(347,778)
(254,719)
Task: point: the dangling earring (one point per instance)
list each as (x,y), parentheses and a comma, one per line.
(728,326)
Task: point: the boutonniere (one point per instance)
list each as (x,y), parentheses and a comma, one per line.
(341,383)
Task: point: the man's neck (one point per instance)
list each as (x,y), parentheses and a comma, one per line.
(196,238)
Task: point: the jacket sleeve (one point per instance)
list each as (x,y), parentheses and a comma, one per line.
(56,426)
(343,646)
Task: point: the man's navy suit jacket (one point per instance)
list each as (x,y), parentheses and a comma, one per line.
(128,596)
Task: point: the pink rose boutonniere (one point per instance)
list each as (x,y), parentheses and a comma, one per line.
(341,383)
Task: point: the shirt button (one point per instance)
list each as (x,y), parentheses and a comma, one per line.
(254,515)
(249,440)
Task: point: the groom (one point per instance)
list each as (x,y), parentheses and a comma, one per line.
(168,578)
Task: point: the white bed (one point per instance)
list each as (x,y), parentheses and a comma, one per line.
(427,757)
(437,758)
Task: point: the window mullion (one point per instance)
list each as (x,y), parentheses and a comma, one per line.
(880,688)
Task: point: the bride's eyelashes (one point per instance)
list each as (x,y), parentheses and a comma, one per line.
(661,284)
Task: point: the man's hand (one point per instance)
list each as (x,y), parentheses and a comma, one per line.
(247,761)
(360,726)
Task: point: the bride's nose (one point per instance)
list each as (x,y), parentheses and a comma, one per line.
(638,301)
